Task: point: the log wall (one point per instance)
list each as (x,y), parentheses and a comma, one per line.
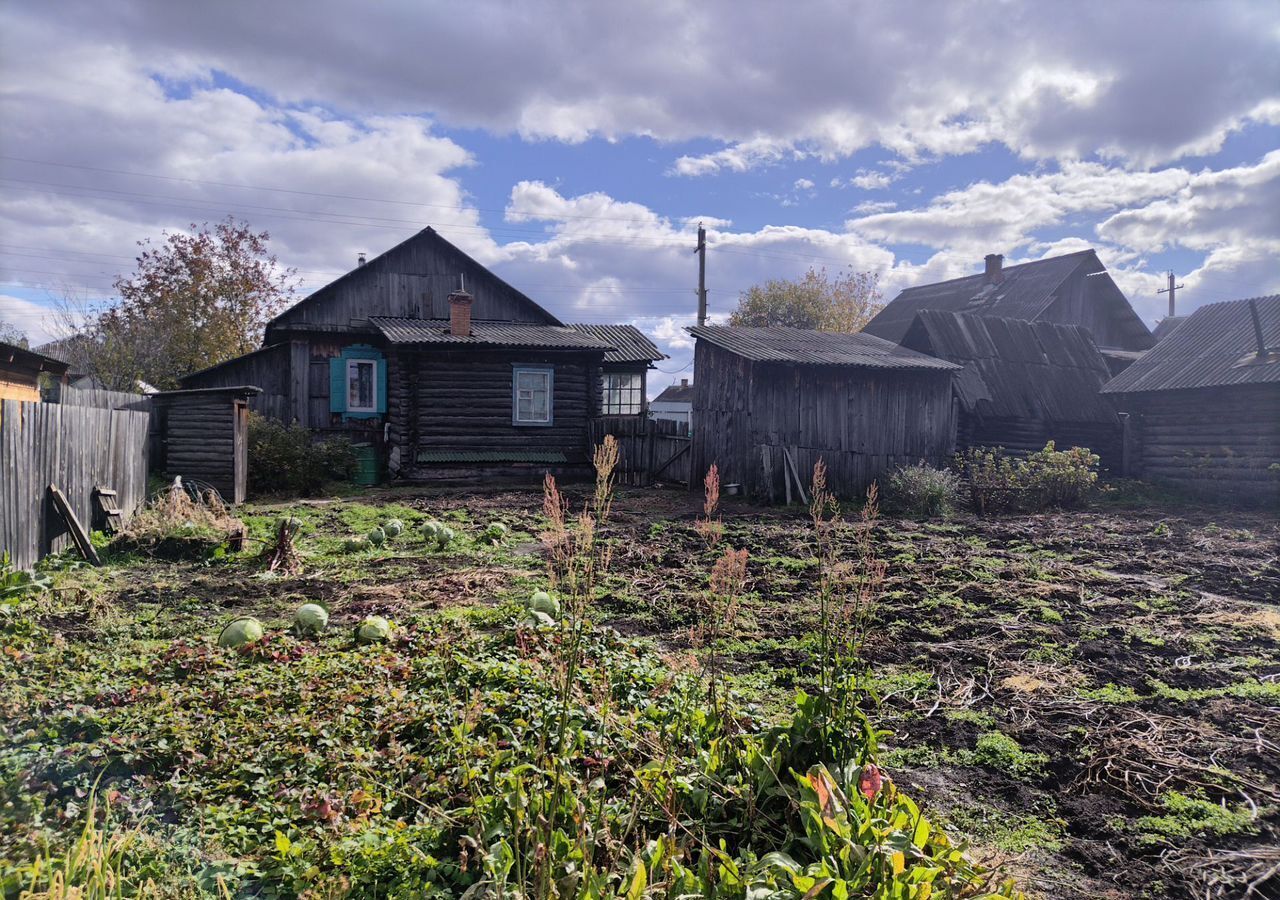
(462,401)
(1022,436)
(198,441)
(1216,442)
(862,422)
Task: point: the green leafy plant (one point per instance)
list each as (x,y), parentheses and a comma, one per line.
(287,459)
(921,490)
(1048,478)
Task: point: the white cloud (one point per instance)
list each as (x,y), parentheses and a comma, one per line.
(803,184)
(38,322)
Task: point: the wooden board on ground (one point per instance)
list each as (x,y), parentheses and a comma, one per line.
(78,534)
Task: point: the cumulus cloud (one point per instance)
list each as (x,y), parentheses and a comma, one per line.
(823,78)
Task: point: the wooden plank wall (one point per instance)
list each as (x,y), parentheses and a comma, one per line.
(861,422)
(644,446)
(268,369)
(413,280)
(1023,436)
(75,447)
(104,399)
(1218,442)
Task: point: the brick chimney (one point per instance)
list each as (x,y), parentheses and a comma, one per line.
(995,268)
(460,314)
(684,382)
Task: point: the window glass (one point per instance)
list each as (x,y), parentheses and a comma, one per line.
(533,396)
(360,384)
(622,393)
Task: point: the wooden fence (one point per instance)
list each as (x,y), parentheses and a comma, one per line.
(650,449)
(75,447)
(101,398)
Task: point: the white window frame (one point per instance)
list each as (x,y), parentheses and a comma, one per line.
(352,370)
(635,388)
(546,372)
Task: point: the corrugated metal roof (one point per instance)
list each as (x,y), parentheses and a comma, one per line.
(1025,292)
(485,334)
(1018,369)
(12,353)
(629,343)
(800,346)
(1215,346)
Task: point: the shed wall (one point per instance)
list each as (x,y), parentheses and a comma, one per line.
(198,440)
(860,421)
(1219,442)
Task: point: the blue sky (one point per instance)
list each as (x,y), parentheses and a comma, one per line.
(574,146)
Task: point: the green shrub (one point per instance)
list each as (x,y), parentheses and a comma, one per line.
(922,490)
(1048,478)
(287,458)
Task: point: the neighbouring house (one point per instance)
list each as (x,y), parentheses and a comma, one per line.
(21,370)
(674,404)
(624,371)
(440,365)
(1204,405)
(1074,289)
(1022,383)
(769,399)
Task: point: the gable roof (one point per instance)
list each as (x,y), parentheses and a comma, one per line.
(486,334)
(1017,369)
(675,393)
(1026,291)
(389,265)
(14,357)
(1215,346)
(800,346)
(628,342)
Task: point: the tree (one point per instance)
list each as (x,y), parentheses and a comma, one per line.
(816,300)
(12,334)
(197,299)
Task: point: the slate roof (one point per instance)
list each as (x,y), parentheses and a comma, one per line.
(485,334)
(1018,369)
(22,358)
(1166,326)
(1214,347)
(676,393)
(629,343)
(1026,291)
(800,346)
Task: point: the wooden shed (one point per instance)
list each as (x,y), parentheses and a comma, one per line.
(203,437)
(862,404)
(20,371)
(1204,404)
(1023,383)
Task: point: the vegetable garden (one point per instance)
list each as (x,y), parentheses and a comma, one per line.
(654,694)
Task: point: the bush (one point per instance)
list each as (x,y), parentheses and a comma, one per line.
(287,459)
(1048,478)
(922,490)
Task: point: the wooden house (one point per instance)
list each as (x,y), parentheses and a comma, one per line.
(769,399)
(624,371)
(1074,289)
(1204,405)
(1022,383)
(440,380)
(21,369)
(674,404)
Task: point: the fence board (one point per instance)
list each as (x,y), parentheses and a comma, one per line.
(649,449)
(75,446)
(104,399)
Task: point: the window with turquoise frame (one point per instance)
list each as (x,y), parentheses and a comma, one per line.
(532,389)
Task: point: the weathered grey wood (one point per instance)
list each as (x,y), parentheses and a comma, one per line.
(76,447)
(79,536)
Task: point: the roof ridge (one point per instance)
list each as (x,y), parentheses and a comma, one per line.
(1006,269)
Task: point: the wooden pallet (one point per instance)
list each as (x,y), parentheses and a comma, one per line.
(108,509)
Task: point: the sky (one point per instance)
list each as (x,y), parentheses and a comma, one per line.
(574,147)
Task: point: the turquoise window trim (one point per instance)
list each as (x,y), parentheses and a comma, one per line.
(549,371)
(338,385)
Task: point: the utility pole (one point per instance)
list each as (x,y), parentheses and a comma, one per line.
(701,250)
(1171,290)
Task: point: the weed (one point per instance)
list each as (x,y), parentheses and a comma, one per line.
(922,490)
(998,751)
(1187,817)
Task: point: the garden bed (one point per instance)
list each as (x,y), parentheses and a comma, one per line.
(1091,697)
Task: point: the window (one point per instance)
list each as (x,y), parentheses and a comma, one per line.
(532,389)
(361,378)
(622,393)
